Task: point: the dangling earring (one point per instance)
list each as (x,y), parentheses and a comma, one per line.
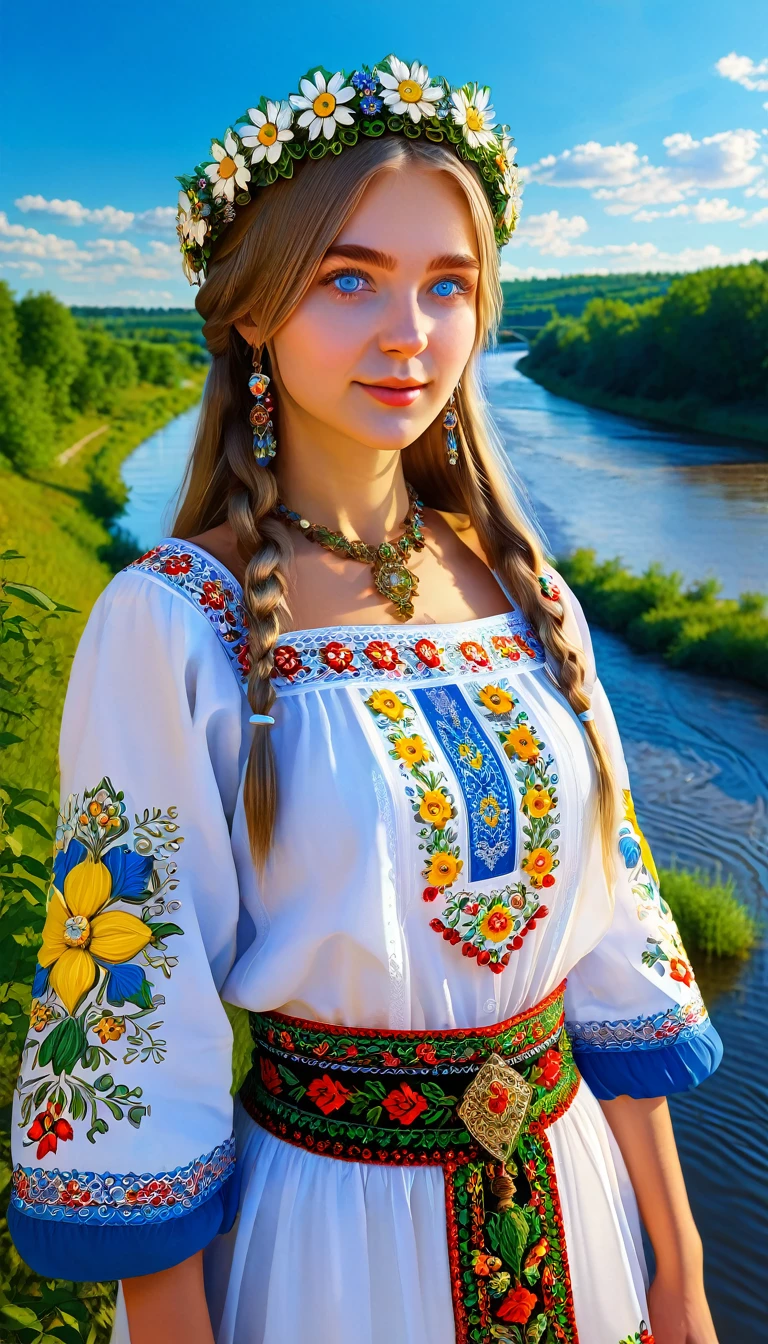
(264,442)
(450,421)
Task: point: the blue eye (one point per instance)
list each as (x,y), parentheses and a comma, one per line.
(348,284)
(445,289)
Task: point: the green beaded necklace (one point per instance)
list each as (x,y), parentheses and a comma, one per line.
(391,575)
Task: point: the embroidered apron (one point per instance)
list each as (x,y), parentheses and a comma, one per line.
(477,1102)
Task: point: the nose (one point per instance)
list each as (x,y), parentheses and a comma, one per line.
(404,334)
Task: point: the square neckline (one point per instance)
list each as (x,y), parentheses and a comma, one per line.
(469,623)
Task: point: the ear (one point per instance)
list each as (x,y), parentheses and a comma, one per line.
(248,330)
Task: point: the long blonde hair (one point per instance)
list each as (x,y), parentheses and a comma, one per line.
(263,265)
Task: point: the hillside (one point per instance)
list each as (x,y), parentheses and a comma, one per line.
(530,304)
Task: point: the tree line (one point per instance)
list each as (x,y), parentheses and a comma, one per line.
(55,366)
(706,338)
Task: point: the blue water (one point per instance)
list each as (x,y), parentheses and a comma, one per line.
(697,748)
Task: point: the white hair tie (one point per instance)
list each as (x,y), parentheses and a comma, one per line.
(586,716)
(261,718)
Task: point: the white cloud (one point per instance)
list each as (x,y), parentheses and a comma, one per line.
(588,165)
(716,210)
(759,217)
(743,70)
(24,268)
(511,272)
(552,233)
(23,242)
(722,160)
(653,186)
(107,217)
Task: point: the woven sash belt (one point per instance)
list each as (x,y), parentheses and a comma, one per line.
(476,1102)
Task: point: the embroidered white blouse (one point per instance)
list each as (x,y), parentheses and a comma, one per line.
(436,864)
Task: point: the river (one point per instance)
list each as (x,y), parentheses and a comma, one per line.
(697,748)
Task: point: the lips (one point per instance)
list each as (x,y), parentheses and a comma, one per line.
(393,394)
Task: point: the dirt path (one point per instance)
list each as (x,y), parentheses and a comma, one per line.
(75,448)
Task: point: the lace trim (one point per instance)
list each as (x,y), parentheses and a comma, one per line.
(487,646)
(677,1023)
(89,1196)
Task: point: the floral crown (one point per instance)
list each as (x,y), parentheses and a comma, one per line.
(332,111)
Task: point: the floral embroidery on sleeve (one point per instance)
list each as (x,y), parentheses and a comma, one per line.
(664,952)
(93,962)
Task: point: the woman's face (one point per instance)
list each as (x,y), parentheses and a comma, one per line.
(380,340)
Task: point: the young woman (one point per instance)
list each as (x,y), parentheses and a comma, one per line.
(336,753)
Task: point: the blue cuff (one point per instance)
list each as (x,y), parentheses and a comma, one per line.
(639,1071)
(87,1252)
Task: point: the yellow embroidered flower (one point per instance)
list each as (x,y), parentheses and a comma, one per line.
(490,810)
(443,869)
(386,702)
(472,755)
(497,923)
(39,1015)
(109,1029)
(538,863)
(495,699)
(537,801)
(520,742)
(75,932)
(631,816)
(435,808)
(413,750)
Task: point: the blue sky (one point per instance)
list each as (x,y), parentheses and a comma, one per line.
(641,125)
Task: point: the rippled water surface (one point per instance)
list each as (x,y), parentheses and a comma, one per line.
(697,748)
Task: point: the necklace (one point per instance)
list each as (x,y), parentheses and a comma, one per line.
(391,575)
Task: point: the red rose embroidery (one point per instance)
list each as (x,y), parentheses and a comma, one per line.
(404,1104)
(48,1128)
(327,1094)
(351,1050)
(547,1072)
(286,1040)
(178,564)
(270,1076)
(148,555)
(382,655)
(429,893)
(244,659)
(498,1099)
(522,644)
(287,662)
(680,970)
(337,656)
(505,646)
(321,1049)
(426,1052)
(517,1305)
(212,596)
(475,653)
(427,652)
(389,1059)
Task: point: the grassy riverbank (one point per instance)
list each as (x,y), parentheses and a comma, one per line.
(738,422)
(690,627)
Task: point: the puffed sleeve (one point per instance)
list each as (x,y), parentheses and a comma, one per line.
(122,1117)
(634,1011)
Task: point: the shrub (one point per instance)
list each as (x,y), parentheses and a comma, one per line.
(710,917)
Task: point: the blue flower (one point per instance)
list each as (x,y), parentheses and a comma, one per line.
(629,849)
(370,106)
(364,83)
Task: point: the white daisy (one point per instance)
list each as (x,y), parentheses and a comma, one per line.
(191,225)
(229,170)
(409,91)
(269,132)
(321,104)
(476,118)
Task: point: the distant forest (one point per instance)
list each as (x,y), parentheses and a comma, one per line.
(530,304)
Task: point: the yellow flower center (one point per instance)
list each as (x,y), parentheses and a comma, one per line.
(268,133)
(227,167)
(409,91)
(77,931)
(324,104)
(474,119)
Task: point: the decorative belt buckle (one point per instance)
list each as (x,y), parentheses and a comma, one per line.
(494,1106)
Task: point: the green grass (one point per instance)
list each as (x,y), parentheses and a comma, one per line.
(710,917)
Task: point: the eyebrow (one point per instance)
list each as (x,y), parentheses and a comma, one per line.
(355,252)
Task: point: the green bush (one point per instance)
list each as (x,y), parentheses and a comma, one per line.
(710,917)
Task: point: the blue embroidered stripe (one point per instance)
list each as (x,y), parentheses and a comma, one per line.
(105,1197)
(483,781)
(679,1022)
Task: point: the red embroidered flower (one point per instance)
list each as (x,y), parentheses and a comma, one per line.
(382,655)
(244,659)
(389,1059)
(48,1128)
(351,1050)
(472,908)
(178,564)
(212,595)
(547,1070)
(286,1040)
(337,655)
(148,555)
(270,1076)
(680,970)
(505,646)
(548,881)
(645,1335)
(20,1184)
(475,653)
(327,1094)
(404,1104)
(427,652)
(321,1049)
(426,1052)
(74,1196)
(521,644)
(498,1099)
(517,1305)
(429,893)
(287,662)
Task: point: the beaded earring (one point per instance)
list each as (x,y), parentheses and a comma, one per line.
(450,421)
(264,442)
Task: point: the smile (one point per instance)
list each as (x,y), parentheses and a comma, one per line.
(394,394)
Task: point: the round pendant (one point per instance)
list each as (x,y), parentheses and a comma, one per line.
(395,582)
(259,415)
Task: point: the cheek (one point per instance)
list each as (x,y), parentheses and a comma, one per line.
(315,350)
